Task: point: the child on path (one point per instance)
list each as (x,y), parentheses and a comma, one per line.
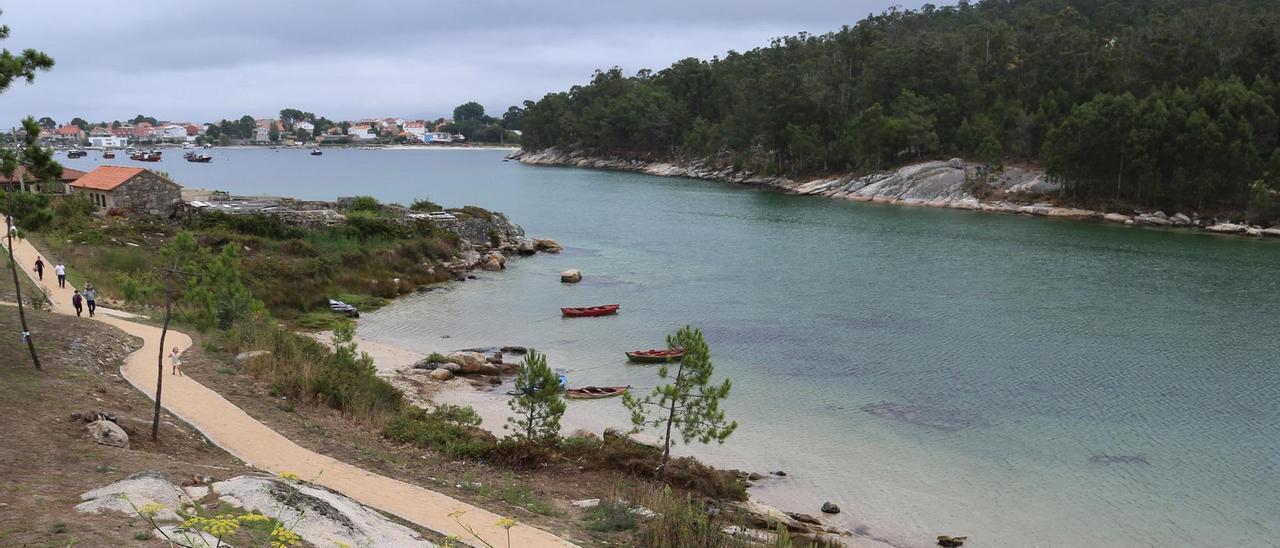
(90,296)
(61,271)
(40,268)
(76,301)
(176,358)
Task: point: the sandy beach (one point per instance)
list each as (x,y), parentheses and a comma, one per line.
(490,402)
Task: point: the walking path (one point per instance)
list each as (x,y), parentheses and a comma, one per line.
(254,443)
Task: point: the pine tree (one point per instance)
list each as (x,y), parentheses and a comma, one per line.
(537,405)
(690,403)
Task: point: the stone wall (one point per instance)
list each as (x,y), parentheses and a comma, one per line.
(147,193)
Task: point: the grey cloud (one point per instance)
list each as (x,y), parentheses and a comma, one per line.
(209,60)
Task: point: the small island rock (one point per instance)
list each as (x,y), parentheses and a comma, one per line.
(571,276)
(830,508)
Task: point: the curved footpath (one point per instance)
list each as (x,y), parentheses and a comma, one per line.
(254,443)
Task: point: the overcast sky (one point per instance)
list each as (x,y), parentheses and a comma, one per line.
(201,61)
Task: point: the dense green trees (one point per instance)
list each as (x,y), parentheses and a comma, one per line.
(1168,103)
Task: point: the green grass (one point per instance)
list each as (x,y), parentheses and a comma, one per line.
(520,494)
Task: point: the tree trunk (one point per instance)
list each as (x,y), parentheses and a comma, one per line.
(17,291)
(666,440)
(168,304)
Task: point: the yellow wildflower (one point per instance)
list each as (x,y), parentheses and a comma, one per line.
(150,510)
(289,476)
(282,537)
(506,523)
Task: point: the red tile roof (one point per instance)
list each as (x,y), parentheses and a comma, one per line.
(107,177)
(68,175)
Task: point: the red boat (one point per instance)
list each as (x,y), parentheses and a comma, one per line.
(602,310)
(656,355)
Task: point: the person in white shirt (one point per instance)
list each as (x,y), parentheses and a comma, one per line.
(176,358)
(61,271)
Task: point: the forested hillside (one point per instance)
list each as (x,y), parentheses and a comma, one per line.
(1166,103)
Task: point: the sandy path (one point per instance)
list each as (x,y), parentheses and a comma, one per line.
(253,442)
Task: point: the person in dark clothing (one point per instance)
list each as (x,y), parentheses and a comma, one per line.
(77,301)
(40,268)
(90,297)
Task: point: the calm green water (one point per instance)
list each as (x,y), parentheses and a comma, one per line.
(930,371)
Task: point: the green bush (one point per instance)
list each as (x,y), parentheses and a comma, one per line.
(425,205)
(364,203)
(611,516)
(367,225)
(450,429)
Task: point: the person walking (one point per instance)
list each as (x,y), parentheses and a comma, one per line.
(77,301)
(40,268)
(175,358)
(90,297)
(61,270)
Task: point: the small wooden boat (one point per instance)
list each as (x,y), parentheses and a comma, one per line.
(108,155)
(595,392)
(586,311)
(145,156)
(198,158)
(76,153)
(656,355)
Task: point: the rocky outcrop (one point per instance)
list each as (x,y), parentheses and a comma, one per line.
(945,184)
(571,276)
(320,516)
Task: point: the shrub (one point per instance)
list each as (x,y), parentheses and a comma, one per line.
(425,205)
(366,225)
(364,203)
(450,429)
(610,516)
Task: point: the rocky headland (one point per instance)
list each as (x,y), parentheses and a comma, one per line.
(954,184)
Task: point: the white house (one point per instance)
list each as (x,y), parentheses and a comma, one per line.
(361,132)
(170,131)
(417,129)
(262,134)
(304,125)
(108,141)
(438,137)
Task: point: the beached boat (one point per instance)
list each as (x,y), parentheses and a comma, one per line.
(656,355)
(595,392)
(579,312)
(343,308)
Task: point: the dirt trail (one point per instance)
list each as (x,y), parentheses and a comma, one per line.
(254,443)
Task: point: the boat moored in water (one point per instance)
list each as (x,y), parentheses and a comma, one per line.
(588,311)
(595,392)
(657,355)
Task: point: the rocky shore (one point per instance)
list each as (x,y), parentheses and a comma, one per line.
(943,184)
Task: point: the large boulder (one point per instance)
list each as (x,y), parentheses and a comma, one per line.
(830,508)
(493,262)
(526,247)
(571,276)
(548,246)
(108,433)
(470,362)
(441,375)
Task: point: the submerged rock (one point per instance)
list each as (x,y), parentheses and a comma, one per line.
(951,542)
(1119,459)
(947,421)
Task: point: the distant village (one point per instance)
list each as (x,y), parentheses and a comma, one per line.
(292,128)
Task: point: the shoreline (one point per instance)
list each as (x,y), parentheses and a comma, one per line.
(770,495)
(934,184)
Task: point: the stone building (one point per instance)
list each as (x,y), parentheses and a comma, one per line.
(21,181)
(129,189)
